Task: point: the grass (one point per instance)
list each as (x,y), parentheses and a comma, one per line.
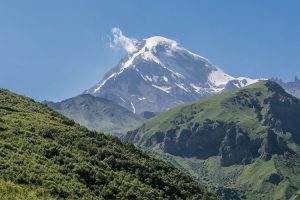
(218,107)
(250,181)
(254,110)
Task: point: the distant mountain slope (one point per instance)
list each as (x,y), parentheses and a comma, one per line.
(292,87)
(98,114)
(46,153)
(160,74)
(246,143)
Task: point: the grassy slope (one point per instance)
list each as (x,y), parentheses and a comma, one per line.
(44,154)
(215,107)
(249,181)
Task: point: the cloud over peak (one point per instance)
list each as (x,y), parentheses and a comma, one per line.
(120,40)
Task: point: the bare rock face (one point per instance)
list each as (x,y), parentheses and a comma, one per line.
(272,144)
(292,87)
(213,138)
(201,141)
(235,148)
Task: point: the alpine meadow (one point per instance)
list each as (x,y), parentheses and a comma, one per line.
(149,100)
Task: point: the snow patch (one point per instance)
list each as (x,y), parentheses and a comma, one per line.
(197,88)
(148,78)
(247,81)
(122,99)
(143,77)
(163,88)
(156,40)
(132,106)
(165,79)
(103,82)
(180,85)
(155,78)
(150,57)
(196,55)
(218,77)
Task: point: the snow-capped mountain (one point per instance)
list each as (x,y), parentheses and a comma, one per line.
(158,74)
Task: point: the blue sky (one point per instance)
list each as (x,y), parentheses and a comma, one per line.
(56,49)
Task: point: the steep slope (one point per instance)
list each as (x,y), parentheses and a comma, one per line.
(160,74)
(292,87)
(98,114)
(50,155)
(246,143)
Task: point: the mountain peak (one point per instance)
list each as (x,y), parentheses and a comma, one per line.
(154,41)
(158,74)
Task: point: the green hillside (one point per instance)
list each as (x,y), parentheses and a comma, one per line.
(44,155)
(98,114)
(245,143)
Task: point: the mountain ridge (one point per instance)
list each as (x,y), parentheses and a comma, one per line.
(98,114)
(292,87)
(229,137)
(160,70)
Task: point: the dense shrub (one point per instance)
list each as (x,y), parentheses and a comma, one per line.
(44,155)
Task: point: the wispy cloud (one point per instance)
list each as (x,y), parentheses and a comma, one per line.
(120,40)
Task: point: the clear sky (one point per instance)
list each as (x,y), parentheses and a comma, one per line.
(56,49)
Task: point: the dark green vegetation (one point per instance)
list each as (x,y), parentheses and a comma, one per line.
(245,143)
(98,114)
(44,155)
